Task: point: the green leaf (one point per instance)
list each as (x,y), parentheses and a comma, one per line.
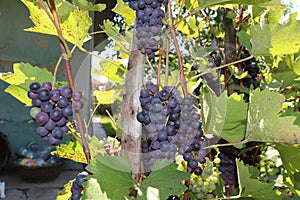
(19,93)
(234,129)
(264,123)
(163,181)
(92,190)
(245,39)
(296,66)
(261,40)
(207,3)
(113,175)
(284,74)
(249,187)
(124,10)
(285,38)
(290,159)
(122,42)
(113,70)
(107,97)
(74,29)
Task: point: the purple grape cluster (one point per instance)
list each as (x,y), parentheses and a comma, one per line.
(170,123)
(77,186)
(227,167)
(149,16)
(52,109)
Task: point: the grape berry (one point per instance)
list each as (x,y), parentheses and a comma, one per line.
(52,109)
(77,186)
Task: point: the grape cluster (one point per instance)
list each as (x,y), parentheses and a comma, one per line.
(170,123)
(251,67)
(52,109)
(149,16)
(77,186)
(160,118)
(202,187)
(227,168)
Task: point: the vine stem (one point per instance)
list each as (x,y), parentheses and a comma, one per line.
(66,54)
(179,55)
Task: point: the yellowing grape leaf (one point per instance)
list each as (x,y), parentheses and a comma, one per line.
(74,28)
(65,193)
(92,190)
(113,70)
(19,93)
(124,10)
(264,123)
(106,97)
(88,6)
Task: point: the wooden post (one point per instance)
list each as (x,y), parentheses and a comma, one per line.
(131,128)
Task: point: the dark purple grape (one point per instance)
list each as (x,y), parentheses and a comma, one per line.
(198,171)
(62,102)
(53,141)
(77,105)
(141,4)
(77,95)
(36,102)
(202,160)
(66,91)
(144,93)
(148,10)
(32,95)
(154,4)
(187,156)
(50,125)
(196,146)
(57,133)
(42,131)
(44,94)
(56,115)
(140,117)
(162,136)
(193,163)
(64,129)
(54,95)
(164,95)
(62,121)
(34,86)
(67,111)
(47,85)
(42,118)
(155,144)
(170,129)
(47,106)
(149,1)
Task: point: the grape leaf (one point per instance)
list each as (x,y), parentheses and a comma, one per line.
(92,190)
(163,181)
(250,187)
(264,124)
(113,175)
(124,10)
(106,97)
(65,193)
(20,79)
(290,159)
(261,40)
(207,3)
(285,38)
(74,29)
(245,39)
(88,6)
(112,69)
(284,74)
(224,116)
(296,66)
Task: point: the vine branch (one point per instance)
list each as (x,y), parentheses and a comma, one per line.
(179,55)
(66,51)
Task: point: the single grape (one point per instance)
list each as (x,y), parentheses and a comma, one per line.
(56,114)
(57,133)
(53,141)
(77,95)
(54,95)
(36,102)
(34,86)
(32,95)
(198,171)
(50,125)
(42,118)
(64,129)
(66,91)
(162,136)
(44,94)
(187,156)
(47,106)
(62,121)
(77,105)
(47,85)
(62,102)
(140,117)
(67,111)
(42,131)
(193,163)
(144,93)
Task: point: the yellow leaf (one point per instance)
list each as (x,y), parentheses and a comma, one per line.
(19,93)
(124,10)
(106,97)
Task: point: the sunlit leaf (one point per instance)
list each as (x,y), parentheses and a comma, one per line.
(124,10)
(107,97)
(264,123)
(92,190)
(65,193)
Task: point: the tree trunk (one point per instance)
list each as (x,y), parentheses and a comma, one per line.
(131,128)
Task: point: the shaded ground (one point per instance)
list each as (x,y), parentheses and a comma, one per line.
(17,189)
